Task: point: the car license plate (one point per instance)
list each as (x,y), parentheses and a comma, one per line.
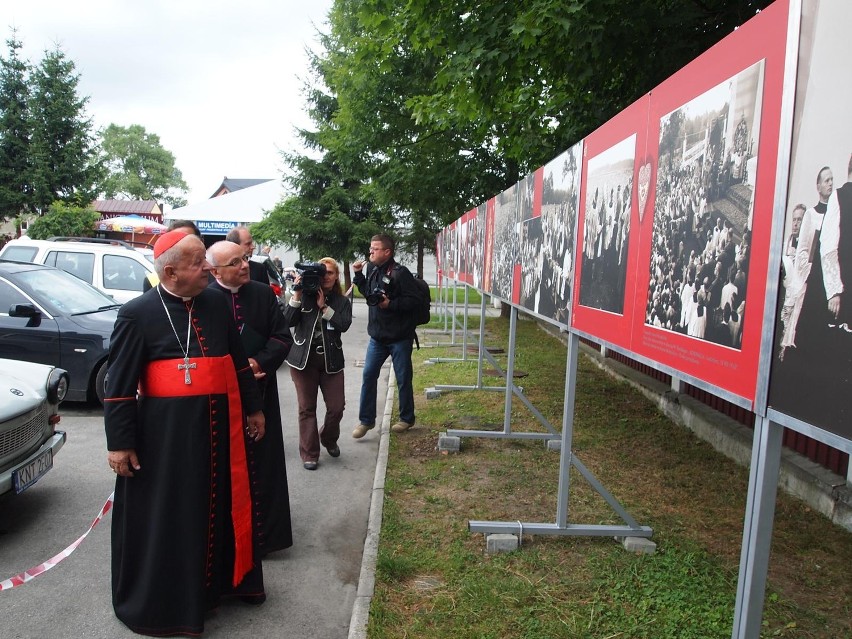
(25,477)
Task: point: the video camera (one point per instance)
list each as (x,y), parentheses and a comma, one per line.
(311,277)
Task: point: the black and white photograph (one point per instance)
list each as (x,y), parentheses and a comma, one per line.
(450,251)
(811,377)
(559,203)
(506,243)
(464,228)
(532,263)
(453,246)
(476,247)
(706,171)
(606,227)
(526,197)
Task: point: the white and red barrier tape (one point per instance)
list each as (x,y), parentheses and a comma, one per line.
(42,568)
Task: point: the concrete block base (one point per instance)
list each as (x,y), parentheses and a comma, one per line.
(449,443)
(500,542)
(432,393)
(639,545)
(554,444)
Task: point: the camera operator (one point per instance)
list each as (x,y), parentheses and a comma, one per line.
(389,289)
(318,312)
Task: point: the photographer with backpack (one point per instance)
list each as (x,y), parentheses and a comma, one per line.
(392,297)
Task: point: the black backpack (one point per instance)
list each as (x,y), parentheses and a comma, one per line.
(422,312)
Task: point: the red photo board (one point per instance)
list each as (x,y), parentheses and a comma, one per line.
(605,272)
(703,248)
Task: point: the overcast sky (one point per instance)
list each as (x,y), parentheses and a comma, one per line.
(219,81)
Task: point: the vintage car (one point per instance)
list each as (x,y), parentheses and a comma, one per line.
(29,401)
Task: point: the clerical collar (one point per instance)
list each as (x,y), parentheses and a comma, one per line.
(234,289)
(185,299)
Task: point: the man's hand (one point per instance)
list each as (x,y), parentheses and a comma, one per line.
(123,462)
(834,306)
(358,265)
(256,369)
(256,425)
(384,303)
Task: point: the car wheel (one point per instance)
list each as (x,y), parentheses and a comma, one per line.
(100,383)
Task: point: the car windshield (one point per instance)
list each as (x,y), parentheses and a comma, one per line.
(63,294)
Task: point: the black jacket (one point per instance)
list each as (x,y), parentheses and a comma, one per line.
(303,323)
(396,322)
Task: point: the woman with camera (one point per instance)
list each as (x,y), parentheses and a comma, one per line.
(319,313)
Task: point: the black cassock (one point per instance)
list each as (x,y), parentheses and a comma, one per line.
(267,339)
(172,533)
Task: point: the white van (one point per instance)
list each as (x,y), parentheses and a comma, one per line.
(112,266)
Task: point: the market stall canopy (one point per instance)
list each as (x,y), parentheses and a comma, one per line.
(217,215)
(130,224)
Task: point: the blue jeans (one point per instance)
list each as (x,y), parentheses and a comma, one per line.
(377,353)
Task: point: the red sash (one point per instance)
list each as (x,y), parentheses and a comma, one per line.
(213,376)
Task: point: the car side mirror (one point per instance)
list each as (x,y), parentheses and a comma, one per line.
(23,310)
(26,310)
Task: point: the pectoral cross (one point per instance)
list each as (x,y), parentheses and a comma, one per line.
(185,368)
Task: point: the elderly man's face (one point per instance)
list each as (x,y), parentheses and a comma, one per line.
(232,269)
(798,216)
(188,276)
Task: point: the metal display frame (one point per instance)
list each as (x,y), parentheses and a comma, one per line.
(561,527)
(764,469)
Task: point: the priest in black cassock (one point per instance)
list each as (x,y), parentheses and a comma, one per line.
(181,408)
(267,340)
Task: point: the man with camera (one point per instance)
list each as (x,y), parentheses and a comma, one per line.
(391,295)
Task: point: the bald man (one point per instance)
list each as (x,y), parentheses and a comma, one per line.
(267,342)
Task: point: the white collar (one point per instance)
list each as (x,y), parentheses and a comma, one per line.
(185,299)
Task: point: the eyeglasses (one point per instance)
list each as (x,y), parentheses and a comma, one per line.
(376,250)
(237,261)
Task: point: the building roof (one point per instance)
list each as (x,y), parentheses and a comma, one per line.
(229,185)
(243,207)
(126,207)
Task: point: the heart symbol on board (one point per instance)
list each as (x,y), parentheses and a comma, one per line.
(644,187)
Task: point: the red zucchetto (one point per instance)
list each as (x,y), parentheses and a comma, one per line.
(167,241)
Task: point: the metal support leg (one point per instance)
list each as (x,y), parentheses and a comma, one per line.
(757,530)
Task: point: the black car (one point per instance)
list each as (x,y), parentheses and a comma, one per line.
(48,316)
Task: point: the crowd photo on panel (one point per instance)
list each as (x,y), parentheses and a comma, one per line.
(703,212)
(506,244)
(606,233)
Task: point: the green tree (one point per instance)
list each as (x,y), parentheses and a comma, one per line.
(538,75)
(63,219)
(15,133)
(330,211)
(63,156)
(137,166)
(423,174)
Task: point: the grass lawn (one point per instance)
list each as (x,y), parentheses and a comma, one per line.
(435,580)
